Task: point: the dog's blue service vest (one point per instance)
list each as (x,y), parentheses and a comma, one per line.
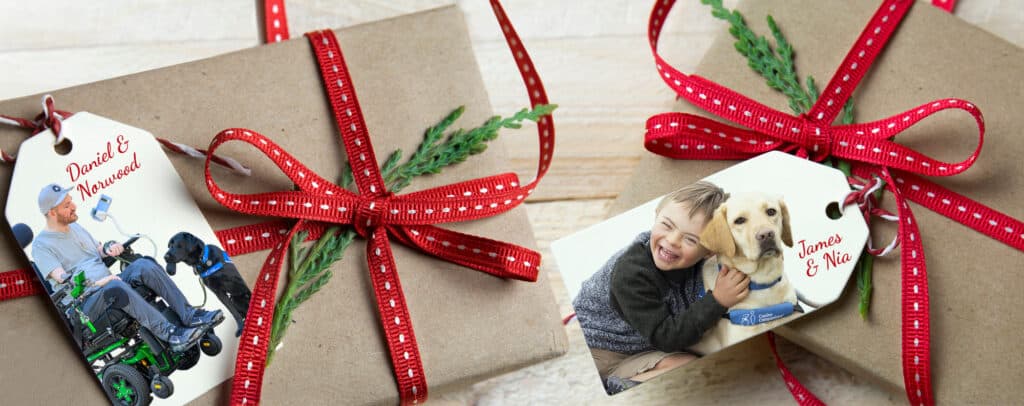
(213,268)
(750,317)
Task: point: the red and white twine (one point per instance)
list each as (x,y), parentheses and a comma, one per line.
(52,119)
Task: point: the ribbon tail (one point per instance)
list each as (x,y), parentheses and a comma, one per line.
(964,210)
(801,394)
(275,21)
(914,303)
(869,45)
(496,258)
(247,385)
(394,317)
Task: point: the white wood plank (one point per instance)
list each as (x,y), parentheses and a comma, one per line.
(37,71)
(36,25)
(66,23)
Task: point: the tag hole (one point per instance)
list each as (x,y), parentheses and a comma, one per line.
(833,212)
(63,147)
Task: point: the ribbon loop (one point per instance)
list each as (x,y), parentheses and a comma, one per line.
(688,136)
(869,142)
(306,180)
(490,185)
(494,257)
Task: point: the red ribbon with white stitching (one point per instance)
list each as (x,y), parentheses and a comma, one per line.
(275,21)
(866,145)
(801,394)
(379,216)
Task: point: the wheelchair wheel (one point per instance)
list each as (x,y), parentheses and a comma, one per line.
(126,386)
(210,344)
(162,387)
(188,359)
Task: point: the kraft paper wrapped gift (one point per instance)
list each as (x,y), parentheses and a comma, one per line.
(974,281)
(409,72)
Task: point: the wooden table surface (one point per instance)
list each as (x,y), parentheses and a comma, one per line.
(594,59)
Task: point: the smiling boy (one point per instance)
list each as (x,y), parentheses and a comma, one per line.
(643,308)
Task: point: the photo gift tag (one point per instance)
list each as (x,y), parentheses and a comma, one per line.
(133,269)
(643,281)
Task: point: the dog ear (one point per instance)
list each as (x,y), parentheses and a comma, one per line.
(716,236)
(787,232)
(195,245)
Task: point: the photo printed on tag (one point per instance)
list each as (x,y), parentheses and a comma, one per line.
(710,264)
(135,272)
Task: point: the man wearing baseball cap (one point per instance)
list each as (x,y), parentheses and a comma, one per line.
(64,248)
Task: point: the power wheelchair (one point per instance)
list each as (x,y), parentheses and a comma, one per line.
(131,363)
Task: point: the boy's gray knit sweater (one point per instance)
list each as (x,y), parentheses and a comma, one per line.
(629,306)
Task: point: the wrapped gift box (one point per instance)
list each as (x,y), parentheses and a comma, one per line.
(973,280)
(409,72)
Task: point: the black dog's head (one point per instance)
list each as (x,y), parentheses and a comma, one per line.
(183,247)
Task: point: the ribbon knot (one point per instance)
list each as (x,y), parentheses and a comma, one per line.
(380,217)
(51,118)
(370,214)
(817,139)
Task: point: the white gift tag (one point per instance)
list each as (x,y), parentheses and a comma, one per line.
(115,184)
(777,202)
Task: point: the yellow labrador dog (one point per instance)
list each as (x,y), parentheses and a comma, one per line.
(747,233)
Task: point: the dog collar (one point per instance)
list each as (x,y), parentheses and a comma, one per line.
(758,286)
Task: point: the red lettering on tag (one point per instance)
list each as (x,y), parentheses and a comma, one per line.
(807,249)
(835,258)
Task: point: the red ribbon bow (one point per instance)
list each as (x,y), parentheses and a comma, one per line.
(867,145)
(378,215)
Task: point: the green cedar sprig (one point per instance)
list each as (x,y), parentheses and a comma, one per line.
(309,268)
(776,65)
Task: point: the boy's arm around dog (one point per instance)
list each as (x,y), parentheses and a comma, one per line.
(638,290)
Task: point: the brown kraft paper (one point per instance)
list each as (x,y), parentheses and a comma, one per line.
(409,73)
(974,281)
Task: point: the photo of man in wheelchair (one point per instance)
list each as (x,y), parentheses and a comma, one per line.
(134,327)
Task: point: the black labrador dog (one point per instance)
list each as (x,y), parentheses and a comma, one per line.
(215,269)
